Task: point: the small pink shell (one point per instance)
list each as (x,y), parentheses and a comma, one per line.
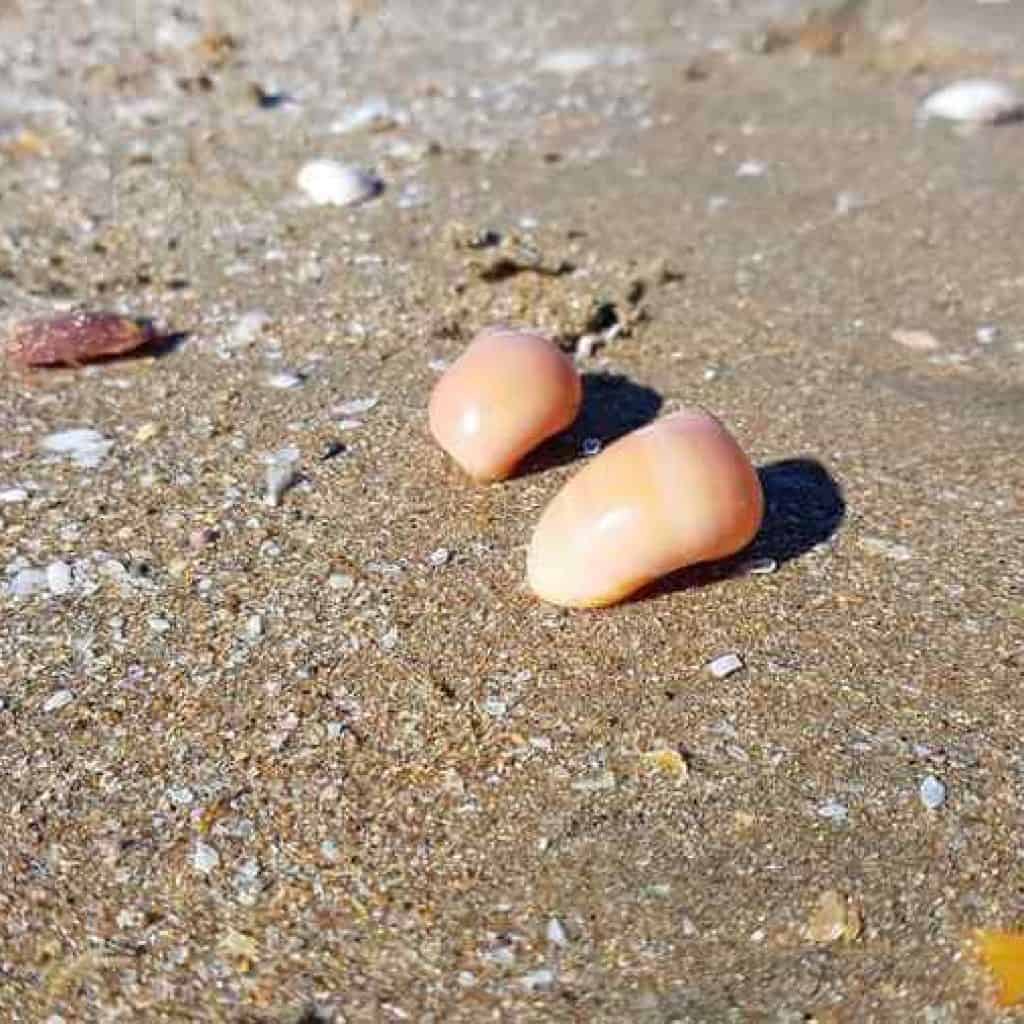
(508,392)
(74,338)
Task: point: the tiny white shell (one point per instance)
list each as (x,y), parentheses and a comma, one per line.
(328,182)
(973,100)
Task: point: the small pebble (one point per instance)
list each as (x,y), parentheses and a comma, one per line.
(58,700)
(932,792)
(760,566)
(834,918)
(254,627)
(984,335)
(329,183)
(12,495)
(158,624)
(725,665)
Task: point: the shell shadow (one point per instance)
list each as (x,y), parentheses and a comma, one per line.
(612,406)
(804,506)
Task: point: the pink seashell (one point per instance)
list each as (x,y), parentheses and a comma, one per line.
(672,494)
(74,339)
(505,394)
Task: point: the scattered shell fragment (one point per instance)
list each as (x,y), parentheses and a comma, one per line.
(834,918)
(667,761)
(751,169)
(204,857)
(13,495)
(506,393)
(58,700)
(919,341)
(569,62)
(285,380)
(85,447)
(725,665)
(669,495)
(27,582)
(375,114)
(281,474)
(355,407)
(1002,952)
(973,100)
(932,792)
(439,557)
(556,933)
(759,567)
(75,338)
(329,183)
(58,578)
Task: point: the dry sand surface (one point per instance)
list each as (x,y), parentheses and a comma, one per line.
(328,760)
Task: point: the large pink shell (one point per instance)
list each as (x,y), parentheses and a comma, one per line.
(74,338)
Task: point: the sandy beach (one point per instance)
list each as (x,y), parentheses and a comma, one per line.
(327,759)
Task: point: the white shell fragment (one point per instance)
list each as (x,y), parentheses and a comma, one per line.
(58,578)
(27,582)
(375,114)
(281,474)
(355,407)
(58,700)
(932,792)
(973,100)
(86,448)
(329,183)
(725,665)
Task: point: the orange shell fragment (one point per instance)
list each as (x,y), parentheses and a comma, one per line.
(1002,953)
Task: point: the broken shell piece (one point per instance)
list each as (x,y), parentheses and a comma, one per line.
(282,472)
(75,338)
(329,183)
(973,100)
(672,494)
(505,394)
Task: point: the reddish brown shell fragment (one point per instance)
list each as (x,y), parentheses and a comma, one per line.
(74,339)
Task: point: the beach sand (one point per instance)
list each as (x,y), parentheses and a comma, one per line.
(329,760)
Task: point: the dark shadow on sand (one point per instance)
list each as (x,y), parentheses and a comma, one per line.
(804,506)
(613,405)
